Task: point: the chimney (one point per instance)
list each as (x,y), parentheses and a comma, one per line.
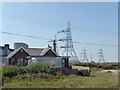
(49,46)
(6,49)
(54,45)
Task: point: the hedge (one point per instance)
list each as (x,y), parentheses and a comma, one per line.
(38,67)
(9,71)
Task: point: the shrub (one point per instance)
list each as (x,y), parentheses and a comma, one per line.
(93,65)
(9,71)
(99,66)
(38,68)
(21,70)
(108,67)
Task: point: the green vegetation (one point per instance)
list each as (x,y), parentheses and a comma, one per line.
(21,70)
(38,76)
(103,66)
(9,71)
(96,80)
(38,68)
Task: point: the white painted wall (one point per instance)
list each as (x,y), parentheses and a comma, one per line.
(52,61)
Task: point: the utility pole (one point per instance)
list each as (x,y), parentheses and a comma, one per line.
(68,48)
(100,55)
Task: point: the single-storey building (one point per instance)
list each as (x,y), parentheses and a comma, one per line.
(24,56)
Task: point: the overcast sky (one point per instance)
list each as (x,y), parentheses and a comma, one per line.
(91,22)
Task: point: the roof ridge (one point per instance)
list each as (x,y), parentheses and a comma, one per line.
(34,48)
(15,51)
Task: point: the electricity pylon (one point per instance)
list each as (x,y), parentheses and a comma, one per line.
(68,48)
(100,55)
(84,56)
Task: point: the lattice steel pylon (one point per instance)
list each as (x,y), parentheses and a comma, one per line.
(69,49)
(84,56)
(100,55)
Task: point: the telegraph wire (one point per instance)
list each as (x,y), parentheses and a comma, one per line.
(29,36)
(96,44)
(25,35)
(32,19)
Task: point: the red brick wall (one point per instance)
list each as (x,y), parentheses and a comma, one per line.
(20,54)
(7,62)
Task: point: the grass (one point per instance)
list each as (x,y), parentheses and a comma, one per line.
(97,80)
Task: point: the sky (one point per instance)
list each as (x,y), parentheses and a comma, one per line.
(91,22)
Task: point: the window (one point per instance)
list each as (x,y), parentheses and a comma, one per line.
(39,60)
(33,60)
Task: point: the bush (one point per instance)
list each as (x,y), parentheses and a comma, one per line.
(9,71)
(108,67)
(99,66)
(38,68)
(21,70)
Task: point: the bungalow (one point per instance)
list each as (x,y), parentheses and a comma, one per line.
(23,56)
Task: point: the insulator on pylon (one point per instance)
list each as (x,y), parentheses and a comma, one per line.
(69,49)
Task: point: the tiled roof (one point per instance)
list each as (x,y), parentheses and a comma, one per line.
(44,51)
(39,51)
(34,51)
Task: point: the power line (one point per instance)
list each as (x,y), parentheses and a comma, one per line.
(96,44)
(36,20)
(29,36)
(25,35)
(30,19)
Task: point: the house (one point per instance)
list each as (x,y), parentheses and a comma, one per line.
(23,56)
(4,52)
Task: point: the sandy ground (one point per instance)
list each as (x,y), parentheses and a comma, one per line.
(111,71)
(80,67)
